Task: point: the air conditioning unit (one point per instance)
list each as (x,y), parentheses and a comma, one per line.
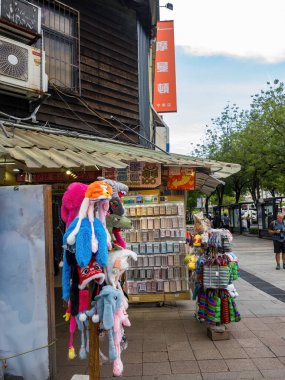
(22,69)
(20,20)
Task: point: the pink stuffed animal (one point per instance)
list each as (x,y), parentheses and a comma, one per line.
(121,319)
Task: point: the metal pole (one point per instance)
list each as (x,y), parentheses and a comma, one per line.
(94,364)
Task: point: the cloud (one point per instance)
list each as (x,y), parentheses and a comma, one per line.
(244,29)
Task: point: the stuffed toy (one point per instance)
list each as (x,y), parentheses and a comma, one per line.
(121,319)
(83,276)
(191,261)
(197,240)
(88,233)
(73,322)
(108,302)
(119,189)
(232,290)
(115,224)
(117,265)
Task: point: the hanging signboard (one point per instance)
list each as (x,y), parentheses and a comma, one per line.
(181,178)
(137,174)
(164,99)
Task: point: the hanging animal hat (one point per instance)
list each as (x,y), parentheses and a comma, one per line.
(119,189)
(71,201)
(116,223)
(82,230)
(117,265)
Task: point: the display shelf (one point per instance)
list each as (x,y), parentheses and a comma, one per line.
(158,237)
(155,297)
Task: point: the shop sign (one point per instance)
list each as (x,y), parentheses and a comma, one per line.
(49,177)
(137,174)
(181,178)
(164,99)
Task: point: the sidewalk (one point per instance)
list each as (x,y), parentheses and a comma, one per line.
(168,343)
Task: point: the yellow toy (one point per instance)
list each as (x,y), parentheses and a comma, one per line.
(191,262)
(197,241)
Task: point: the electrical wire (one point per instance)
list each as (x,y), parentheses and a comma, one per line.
(80,118)
(86,105)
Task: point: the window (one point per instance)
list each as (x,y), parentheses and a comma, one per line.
(60,25)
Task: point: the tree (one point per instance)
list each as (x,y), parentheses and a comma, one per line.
(255,139)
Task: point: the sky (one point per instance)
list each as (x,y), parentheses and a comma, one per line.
(225,51)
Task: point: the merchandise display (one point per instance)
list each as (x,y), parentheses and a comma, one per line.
(158,238)
(94,254)
(213,268)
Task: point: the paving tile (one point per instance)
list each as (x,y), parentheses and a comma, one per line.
(225,344)
(106,370)
(278,350)
(259,352)
(265,334)
(154,338)
(268,363)
(133,369)
(251,342)
(273,341)
(235,353)
(177,376)
(135,346)
(241,365)
(255,324)
(204,344)
(124,376)
(269,320)
(156,368)
(185,366)
(282,359)
(243,334)
(252,375)
(213,366)
(202,336)
(179,346)
(180,355)
(207,353)
(273,373)
(169,338)
(155,346)
(155,357)
(131,357)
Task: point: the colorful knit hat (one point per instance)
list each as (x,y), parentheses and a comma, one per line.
(92,271)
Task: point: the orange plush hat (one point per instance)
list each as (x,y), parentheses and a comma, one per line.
(98,190)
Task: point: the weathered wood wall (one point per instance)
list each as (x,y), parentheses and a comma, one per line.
(109,74)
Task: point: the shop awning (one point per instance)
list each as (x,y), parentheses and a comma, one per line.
(53,149)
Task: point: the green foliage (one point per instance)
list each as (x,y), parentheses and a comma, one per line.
(253,230)
(255,139)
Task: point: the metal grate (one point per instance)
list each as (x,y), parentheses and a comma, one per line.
(13,61)
(61,42)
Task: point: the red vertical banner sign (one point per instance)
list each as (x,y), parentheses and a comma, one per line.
(164,98)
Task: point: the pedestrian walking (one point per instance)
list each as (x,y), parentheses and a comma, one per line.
(277,230)
(226,221)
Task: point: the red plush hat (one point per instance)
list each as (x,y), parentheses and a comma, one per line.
(92,271)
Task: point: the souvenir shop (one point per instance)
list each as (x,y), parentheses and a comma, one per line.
(123,239)
(213,268)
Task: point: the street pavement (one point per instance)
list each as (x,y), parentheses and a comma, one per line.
(167,343)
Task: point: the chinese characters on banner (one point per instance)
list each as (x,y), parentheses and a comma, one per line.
(181,178)
(137,174)
(164,99)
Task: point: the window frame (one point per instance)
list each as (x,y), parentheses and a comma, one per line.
(72,38)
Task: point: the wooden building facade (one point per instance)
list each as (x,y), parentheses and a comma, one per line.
(97,59)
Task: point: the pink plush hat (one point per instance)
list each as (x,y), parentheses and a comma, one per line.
(71,201)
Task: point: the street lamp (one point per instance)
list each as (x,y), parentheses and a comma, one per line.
(168,6)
